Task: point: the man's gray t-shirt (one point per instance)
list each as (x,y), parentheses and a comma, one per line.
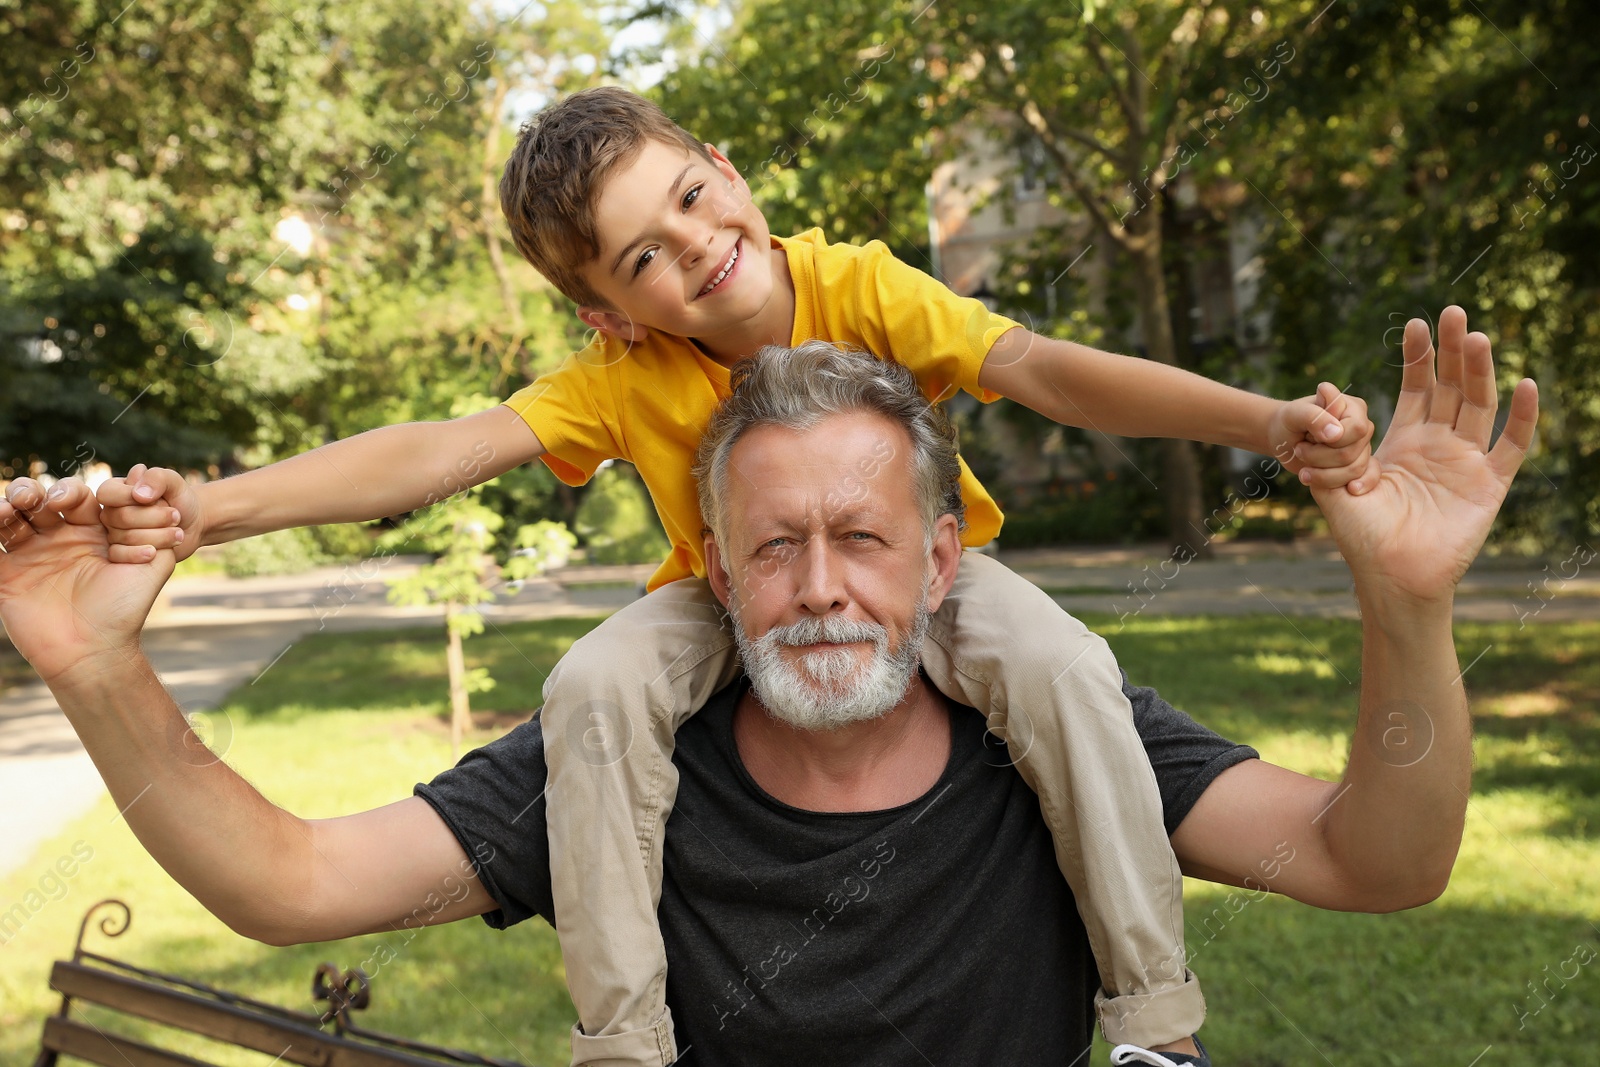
(940,931)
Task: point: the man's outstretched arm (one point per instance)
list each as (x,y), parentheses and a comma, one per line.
(267,873)
(1386,836)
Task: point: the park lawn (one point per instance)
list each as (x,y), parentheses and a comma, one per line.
(1286,984)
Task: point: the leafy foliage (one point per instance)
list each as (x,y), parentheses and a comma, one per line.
(1378,151)
(617,522)
(232,232)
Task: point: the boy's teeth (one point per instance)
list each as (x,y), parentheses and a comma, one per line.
(718,279)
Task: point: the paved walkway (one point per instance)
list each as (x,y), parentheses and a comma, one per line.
(1306,578)
(210,635)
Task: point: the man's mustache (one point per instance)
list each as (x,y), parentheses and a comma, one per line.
(829,628)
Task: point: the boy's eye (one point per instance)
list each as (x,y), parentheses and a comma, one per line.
(644,260)
(692,195)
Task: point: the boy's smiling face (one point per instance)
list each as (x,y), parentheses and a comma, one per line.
(683,250)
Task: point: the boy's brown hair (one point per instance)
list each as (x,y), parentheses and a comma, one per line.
(563,156)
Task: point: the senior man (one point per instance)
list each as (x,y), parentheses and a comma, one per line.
(851,874)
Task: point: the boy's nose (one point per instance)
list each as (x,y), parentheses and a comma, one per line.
(697,246)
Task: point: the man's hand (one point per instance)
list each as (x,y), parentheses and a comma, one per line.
(152,508)
(64,603)
(1439,487)
(1326,439)
(1408,541)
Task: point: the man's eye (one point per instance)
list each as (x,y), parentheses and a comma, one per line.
(644,260)
(775,542)
(692,195)
(862,534)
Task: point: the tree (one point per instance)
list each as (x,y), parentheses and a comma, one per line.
(1449,156)
(459,532)
(1111,99)
(232,232)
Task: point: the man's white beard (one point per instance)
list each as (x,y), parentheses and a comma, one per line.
(829,688)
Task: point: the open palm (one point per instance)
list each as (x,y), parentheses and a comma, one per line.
(1440,487)
(62,601)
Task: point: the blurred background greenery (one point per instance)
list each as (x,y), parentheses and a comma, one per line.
(233,231)
(230,232)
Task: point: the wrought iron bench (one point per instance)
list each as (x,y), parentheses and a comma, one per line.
(290,1036)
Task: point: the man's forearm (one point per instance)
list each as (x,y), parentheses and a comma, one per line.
(1396,823)
(383,472)
(249,862)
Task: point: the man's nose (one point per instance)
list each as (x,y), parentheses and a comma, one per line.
(820,582)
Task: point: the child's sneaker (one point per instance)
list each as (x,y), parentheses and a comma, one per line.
(1127,1055)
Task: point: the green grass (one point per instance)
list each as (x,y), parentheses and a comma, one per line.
(346,722)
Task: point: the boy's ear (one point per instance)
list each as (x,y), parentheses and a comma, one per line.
(614,323)
(727,169)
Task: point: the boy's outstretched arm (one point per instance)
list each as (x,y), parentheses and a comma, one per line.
(383,472)
(1327,436)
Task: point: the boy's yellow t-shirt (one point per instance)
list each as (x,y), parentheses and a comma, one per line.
(650,402)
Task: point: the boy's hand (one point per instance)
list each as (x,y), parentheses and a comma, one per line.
(1326,439)
(62,601)
(152,508)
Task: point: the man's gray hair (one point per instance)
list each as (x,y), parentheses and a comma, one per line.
(799,387)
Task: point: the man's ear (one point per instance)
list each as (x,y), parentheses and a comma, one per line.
(612,323)
(944,557)
(716,573)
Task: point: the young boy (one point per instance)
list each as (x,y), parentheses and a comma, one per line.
(655,237)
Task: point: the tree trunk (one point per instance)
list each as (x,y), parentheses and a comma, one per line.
(1181,240)
(460,708)
(1180,473)
(489,215)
